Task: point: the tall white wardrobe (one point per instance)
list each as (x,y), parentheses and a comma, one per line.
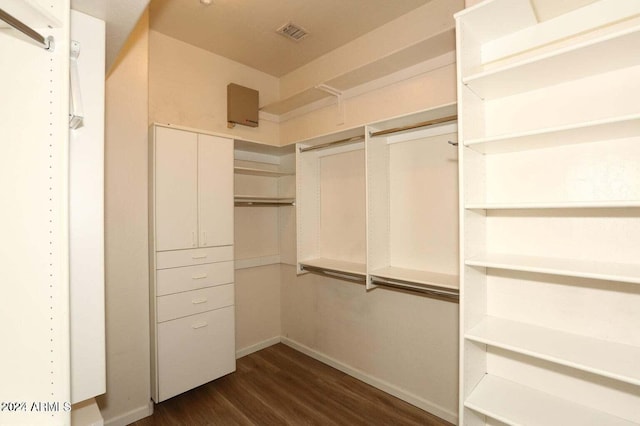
(191,259)
(550,213)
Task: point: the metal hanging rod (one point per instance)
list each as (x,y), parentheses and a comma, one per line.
(415,126)
(333,273)
(263,204)
(440,293)
(329,144)
(47,43)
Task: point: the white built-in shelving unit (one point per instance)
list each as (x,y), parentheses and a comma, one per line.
(34,220)
(264,194)
(378,204)
(412,202)
(550,212)
(330,204)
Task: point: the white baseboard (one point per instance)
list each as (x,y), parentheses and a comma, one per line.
(131,416)
(258,346)
(412,399)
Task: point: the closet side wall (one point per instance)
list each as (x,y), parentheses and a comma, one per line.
(126,236)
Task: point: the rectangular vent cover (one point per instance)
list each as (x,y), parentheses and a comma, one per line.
(292,31)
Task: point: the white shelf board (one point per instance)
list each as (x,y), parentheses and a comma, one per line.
(416,276)
(30,13)
(337,265)
(259,172)
(609,271)
(515,404)
(596,56)
(607,204)
(608,359)
(592,131)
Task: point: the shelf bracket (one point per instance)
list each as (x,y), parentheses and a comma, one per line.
(338,94)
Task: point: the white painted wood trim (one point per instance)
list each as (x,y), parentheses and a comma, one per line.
(384,386)
(258,346)
(131,416)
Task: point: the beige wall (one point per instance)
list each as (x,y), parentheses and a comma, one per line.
(126,238)
(404,343)
(188,86)
(257,307)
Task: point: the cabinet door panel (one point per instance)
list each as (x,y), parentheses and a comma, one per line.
(176,196)
(215,190)
(195,350)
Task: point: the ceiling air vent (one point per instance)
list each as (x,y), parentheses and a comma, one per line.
(292,31)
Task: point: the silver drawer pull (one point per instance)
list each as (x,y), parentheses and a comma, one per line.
(199,301)
(199,325)
(201,256)
(199,277)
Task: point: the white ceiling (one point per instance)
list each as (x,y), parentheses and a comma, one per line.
(245,30)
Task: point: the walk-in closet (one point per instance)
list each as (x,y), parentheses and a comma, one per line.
(266,212)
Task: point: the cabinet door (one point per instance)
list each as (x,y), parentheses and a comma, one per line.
(215,190)
(176,189)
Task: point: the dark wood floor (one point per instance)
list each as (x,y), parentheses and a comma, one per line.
(281,386)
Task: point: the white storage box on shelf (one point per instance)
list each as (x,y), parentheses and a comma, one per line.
(550,218)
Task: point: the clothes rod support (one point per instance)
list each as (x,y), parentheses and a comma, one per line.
(330,144)
(332,273)
(47,43)
(415,126)
(449,295)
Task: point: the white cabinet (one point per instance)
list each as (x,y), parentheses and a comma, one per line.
(215,191)
(191,252)
(193,189)
(550,197)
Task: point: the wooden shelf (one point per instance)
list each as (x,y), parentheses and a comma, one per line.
(515,404)
(608,359)
(555,205)
(592,131)
(621,50)
(30,13)
(416,276)
(609,271)
(352,268)
(259,172)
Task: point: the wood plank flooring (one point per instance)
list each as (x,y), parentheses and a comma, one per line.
(281,386)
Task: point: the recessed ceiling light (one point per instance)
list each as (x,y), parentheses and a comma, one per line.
(206,2)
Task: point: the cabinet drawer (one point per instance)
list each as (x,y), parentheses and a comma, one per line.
(195,350)
(175,258)
(194,302)
(176,280)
